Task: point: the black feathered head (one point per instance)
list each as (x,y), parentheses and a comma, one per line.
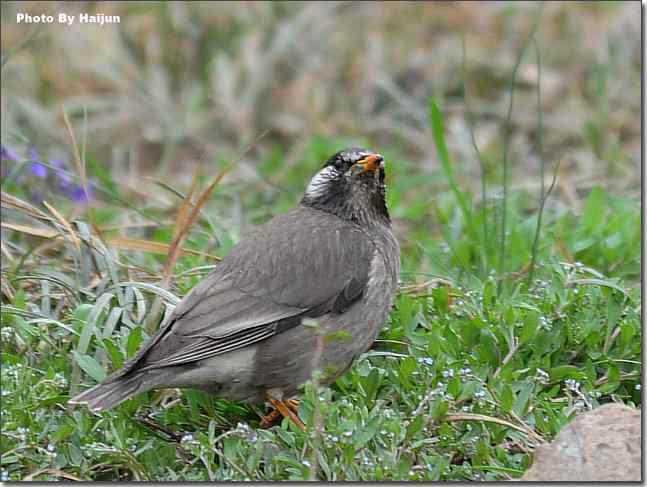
(351,186)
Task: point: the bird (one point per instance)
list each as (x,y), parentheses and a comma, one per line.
(245,332)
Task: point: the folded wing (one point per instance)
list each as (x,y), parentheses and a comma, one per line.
(304,263)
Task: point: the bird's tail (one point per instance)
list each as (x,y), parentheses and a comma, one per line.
(112,392)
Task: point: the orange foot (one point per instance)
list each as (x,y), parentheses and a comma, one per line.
(286,409)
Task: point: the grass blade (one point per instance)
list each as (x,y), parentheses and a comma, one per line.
(438,131)
(507,131)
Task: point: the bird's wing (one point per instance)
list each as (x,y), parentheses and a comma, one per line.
(304,263)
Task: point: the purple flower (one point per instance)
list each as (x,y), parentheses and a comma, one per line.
(80,195)
(64,180)
(36,167)
(7,153)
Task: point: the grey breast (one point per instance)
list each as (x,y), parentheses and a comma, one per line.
(286,361)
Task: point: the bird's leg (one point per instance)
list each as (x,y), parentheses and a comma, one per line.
(286,412)
(287,409)
(269,419)
(293,405)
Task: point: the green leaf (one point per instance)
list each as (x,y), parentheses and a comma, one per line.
(441,299)
(408,366)
(470,331)
(76,455)
(507,398)
(594,210)
(438,131)
(115,354)
(415,426)
(81,312)
(64,431)
(522,398)
(469,388)
(565,372)
(371,384)
(134,340)
(365,434)
(90,366)
(489,293)
(599,282)
(627,332)
(454,387)
(439,408)
(529,329)
(488,350)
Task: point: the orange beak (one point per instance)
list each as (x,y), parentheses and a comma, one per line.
(370,163)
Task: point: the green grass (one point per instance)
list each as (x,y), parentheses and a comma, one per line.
(526,360)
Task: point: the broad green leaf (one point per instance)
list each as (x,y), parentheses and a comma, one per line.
(365,433)
(594,210)
(529,329)
(371,384)
(522,398)
(134,340)
(90,366)
(507,398)
(565,372)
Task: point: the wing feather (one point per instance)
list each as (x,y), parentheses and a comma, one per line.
(304,263)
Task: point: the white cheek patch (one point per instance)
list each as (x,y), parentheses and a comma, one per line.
(319,180)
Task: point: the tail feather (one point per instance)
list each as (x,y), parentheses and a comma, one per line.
(111,393)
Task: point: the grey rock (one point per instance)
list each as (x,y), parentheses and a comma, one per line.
(600,445)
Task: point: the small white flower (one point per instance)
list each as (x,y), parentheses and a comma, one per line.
(637,387)
(306,463)
(60,380)
(242,427)
(572,384)
(348,433)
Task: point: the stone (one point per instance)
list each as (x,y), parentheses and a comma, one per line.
(600,445)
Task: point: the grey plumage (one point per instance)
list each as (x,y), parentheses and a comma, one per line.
(239,332)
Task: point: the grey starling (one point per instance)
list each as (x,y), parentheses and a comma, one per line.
(240,333)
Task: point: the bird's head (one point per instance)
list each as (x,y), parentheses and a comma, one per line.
(351,186)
